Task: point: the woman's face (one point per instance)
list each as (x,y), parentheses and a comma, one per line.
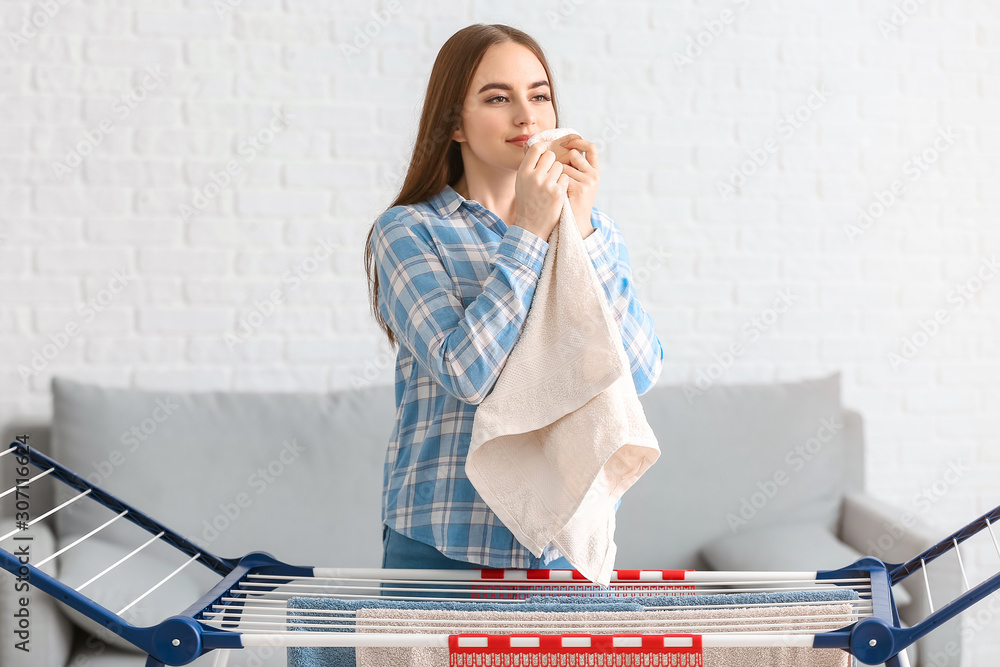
(491,117)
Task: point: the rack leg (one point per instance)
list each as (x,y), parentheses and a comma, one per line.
(222,657)
(900,660)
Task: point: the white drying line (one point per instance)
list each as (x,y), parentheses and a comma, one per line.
(76,542)
(996,545)
(961,565)
(561,577)
(160,583)
(617,587)
(120,561)
(47,514)
(623,627)
(515,586)
(26,483)
(927,585)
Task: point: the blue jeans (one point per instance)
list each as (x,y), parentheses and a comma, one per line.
(400,551)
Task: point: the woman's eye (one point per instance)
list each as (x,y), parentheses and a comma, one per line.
(545,98)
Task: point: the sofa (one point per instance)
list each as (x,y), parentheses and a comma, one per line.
(751,477)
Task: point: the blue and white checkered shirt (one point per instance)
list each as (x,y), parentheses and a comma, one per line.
(455,285)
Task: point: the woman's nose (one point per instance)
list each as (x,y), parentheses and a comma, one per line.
(525,114)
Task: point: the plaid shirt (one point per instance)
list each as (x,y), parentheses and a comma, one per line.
(455,285)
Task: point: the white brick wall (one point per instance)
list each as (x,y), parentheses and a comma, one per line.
(684,128)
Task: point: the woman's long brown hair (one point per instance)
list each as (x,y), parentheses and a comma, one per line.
(437,159)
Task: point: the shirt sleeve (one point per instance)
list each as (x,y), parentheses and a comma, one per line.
(611,260)
(464,349)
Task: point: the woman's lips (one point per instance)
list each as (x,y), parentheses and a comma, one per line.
(519,142)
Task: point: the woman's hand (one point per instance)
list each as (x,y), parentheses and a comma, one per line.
(584,173)
(538,190)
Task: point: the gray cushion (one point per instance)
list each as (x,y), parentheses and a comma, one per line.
(733,457)
(298,475)
(793,547)
(787,546)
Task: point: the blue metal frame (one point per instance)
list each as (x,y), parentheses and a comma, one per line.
(179,639)
(182,638)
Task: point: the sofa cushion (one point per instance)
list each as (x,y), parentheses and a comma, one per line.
(789,546)
(733,457)
(792,547)
(298,475)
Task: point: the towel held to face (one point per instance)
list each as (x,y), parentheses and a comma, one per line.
(562,435)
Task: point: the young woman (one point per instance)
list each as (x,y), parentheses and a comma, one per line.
(452,267)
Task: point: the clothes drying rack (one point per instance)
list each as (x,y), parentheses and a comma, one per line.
(247,607)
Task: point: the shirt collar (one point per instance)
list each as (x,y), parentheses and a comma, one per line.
(447,201)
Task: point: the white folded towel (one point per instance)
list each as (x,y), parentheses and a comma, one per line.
(563,435)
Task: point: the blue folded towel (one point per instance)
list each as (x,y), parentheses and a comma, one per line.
(344,656)
(730,599)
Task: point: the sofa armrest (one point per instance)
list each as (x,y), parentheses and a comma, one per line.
(893,535)
(49,633)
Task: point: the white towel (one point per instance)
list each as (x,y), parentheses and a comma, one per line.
(563,435)
(682,621)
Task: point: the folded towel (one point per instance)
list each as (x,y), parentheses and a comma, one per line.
(729,599)
(492,622)
(693,621)
(563,435)
(345,656)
